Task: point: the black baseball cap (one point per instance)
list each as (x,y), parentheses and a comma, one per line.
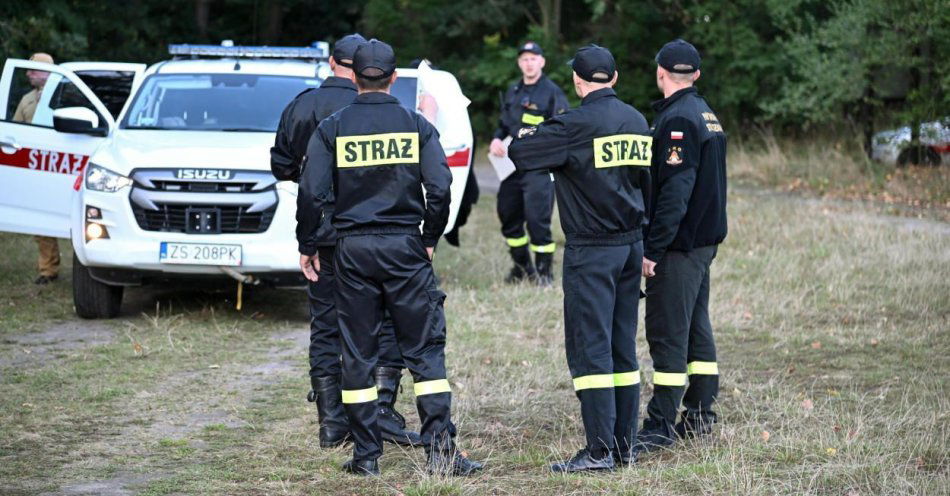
(678,56)
(530,46)
(594,64)
(374,60)
(345,48)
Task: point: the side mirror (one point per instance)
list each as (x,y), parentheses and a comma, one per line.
(77,120)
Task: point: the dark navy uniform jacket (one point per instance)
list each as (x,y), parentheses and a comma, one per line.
(526,105)
(600,156)
(374,156)
(297,124)
(688,200)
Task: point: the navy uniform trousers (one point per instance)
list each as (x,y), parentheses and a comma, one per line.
(325,347)
(391,272)
(527,199)
(601,295)
(681,337)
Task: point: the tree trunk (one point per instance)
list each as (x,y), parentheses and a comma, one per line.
(551,18)
(273,23)
(202,11)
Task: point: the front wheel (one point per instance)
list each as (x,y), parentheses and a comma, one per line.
(918,155)
(94,299)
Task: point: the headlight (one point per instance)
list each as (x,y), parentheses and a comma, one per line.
(102,179)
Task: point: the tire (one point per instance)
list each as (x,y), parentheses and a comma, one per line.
(93,299)
(920,155)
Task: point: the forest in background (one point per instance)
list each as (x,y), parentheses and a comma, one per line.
(795,67)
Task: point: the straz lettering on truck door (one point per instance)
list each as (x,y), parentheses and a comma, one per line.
(623,149)
(377,149)
(45,161)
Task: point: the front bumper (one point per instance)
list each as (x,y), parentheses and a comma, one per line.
(130,250)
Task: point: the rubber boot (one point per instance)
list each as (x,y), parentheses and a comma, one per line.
(523,268)
(361,467)
(334,426)
(392,425)
(449,461)
(545,265)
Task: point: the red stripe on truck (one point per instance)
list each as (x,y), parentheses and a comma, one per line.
(459,158)
(45,161)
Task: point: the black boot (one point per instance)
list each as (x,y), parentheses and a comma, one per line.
(690,427)
(584,461)
(655,435)
(392,425)
(545,264)
(361,467)
(450,462)
(523,267)
(334,427)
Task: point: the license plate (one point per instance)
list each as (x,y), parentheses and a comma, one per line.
(199,254)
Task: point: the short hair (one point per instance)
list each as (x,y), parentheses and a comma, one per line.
(683,78)
(372,84)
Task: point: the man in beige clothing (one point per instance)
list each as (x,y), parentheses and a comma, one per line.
(48,261)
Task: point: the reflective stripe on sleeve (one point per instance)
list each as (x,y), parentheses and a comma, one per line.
(517,242)
(594,381)
(669,379)
(702,368)
(432,387)
(548,248)
(359,395)
(627,378)
(531,119)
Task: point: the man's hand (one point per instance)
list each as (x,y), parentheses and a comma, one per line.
(310,266)
(430,251)
(497,148)
(649,267)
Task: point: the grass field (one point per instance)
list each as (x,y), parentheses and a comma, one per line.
(832,321)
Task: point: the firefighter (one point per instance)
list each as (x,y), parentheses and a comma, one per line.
(297,125)
(374,157)
(48,260)
(527,197)
(599,154)
(687,223)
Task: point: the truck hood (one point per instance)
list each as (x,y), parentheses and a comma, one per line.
(126,150)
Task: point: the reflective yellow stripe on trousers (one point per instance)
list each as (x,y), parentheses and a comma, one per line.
(432,387)
(702,368)
(599,381)
(669,379)
(517,242)
(548,248)
(359,395)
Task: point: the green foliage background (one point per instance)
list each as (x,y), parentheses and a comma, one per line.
(797,65)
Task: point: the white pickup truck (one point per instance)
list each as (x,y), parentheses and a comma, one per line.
(163,174)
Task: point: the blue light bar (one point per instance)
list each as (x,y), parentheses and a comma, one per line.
(320,50)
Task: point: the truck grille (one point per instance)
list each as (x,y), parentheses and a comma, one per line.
(243,203)
(234,219)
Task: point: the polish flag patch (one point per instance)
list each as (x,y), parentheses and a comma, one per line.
(676,135)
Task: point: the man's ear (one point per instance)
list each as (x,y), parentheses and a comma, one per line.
(392,79)
(614,80)
(543,60)
(697,76)
(332,63)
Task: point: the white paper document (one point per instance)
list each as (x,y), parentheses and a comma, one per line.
(504,167)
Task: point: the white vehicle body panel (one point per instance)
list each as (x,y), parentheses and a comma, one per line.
(36,201)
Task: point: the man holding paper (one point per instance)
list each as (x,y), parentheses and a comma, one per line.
(527,198)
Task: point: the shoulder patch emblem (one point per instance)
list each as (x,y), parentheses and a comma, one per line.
(674,157)
(526,131)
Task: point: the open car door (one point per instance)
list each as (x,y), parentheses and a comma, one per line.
(47,132)
(112,82)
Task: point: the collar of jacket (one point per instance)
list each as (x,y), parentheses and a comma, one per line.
(375,97)
(661,105)
(338,82)
(521,84)
(593,96)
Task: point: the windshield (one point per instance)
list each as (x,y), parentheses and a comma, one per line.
(214,102)
(404,89)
